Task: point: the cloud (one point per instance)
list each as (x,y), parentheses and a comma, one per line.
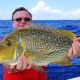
(4,16)
(44,12)
(76,13)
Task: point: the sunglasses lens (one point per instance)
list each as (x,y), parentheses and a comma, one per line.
(27,19)
(18,19)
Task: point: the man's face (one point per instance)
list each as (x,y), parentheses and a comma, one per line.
(20,19)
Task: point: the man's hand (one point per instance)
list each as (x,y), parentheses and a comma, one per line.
(21,65)
(74,51)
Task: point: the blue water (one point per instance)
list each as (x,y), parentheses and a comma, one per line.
(54,72)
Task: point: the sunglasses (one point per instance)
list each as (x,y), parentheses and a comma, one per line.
(20,19)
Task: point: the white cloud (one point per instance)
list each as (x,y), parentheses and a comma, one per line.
(5,16)
(76,13)
(42,11)
(45,12)
(72,15)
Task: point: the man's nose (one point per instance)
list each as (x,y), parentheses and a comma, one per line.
(22,20)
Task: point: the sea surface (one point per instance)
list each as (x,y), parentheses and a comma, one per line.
(54,72)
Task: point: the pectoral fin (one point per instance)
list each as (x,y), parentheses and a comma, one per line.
(40,69)
(64,62)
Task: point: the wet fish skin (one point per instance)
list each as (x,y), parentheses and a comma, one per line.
(41,45)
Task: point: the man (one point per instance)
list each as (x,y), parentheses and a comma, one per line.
(22,71)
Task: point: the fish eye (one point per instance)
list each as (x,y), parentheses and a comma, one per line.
(8,43)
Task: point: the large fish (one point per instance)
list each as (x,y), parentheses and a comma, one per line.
(41,45)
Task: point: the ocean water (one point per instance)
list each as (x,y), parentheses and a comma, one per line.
(54,72)
(71,25)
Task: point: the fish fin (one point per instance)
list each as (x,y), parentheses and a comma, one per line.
(64,62)
(69,34)
(40,69)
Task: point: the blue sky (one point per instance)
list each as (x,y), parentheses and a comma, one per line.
(43,9)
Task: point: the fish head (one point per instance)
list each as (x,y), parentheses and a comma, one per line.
(9,49)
